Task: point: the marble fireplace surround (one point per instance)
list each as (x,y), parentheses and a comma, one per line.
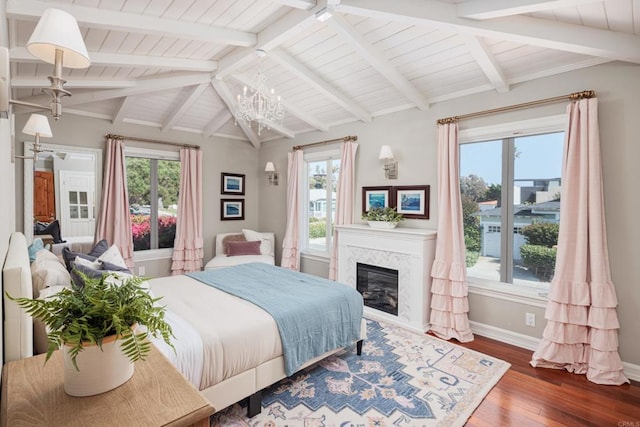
(410,251)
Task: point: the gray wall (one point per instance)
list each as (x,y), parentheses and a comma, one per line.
(219,155)
(412,136)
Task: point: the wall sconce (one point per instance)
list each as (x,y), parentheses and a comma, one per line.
(390,167)
(38,126)
(58,41)
(270,169)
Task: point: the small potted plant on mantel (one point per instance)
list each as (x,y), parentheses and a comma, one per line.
(87,323)
(382,217)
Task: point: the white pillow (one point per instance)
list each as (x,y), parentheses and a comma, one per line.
(44,254)
(113,256)
(47,270)
(265,244)
(87,263)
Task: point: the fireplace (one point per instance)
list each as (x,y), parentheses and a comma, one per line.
(378,286)
(368,254)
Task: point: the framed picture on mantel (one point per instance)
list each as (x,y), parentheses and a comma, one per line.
(412,201)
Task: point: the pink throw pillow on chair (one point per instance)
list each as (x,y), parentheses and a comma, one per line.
(243,248)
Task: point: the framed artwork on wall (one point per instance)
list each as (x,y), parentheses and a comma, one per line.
(232,183)
(231,209)
(412,201)
(376,197)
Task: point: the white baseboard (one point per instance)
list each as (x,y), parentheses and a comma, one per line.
(631,371)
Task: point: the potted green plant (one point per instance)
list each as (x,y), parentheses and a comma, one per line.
(87,323)
(382,217)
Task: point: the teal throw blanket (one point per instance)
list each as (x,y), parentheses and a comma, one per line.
(314,315)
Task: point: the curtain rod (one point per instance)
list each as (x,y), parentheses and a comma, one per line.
(572,96)
(155,141)
(328,141)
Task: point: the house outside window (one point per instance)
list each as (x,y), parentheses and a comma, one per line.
(153,181)
(510,189)
(321,171)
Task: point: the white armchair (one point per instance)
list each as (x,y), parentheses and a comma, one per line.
(226,244)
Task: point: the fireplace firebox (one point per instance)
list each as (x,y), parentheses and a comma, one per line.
(378,286)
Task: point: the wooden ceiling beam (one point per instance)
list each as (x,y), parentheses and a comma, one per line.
(327,90)
(486,62)
(374,58)
(225,94)
(20,54)
(519,29)
(133,23)
(489,9)
(194,93)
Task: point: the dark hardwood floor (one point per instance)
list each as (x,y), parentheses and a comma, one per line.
(527,396)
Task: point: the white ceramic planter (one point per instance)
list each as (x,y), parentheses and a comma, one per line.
(382,224)
(98,370)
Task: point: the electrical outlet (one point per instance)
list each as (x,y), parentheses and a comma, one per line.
(141,270)
(530,319)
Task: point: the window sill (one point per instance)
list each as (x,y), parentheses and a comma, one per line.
(315,256)
(528,295)
(152,255)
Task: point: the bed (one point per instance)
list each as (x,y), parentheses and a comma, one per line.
(210,325)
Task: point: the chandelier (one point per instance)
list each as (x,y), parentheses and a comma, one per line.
(259,103)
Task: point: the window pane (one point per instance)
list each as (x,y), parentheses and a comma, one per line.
(167,208)
(536,207)
(139,188)
(73,212)
(317,215)
(480,189)
(515,239)
(83,197)
(73,197)
(84,212)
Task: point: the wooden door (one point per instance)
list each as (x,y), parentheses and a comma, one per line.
(44,196)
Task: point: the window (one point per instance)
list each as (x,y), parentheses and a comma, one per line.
(510,191)
(78,205)
(153,181)
(321,180)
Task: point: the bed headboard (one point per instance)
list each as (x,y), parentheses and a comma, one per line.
(220,237)
(16,280)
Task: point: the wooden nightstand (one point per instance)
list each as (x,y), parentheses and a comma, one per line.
(156,395)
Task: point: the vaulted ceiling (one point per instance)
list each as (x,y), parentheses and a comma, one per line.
(180,64)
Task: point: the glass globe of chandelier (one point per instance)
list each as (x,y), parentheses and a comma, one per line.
(258,103)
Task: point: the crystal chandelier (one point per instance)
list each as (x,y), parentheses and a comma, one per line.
(259,103)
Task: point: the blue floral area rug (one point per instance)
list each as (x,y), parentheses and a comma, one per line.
(402,379)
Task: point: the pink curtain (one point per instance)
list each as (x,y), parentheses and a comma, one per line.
(290,253)
(114,223)
(449,304)
(345,195)
(188,245)
(582,322)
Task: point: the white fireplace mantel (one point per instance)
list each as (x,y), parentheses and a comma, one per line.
(410,251)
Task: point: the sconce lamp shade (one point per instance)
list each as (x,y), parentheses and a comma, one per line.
(385,153)
(270,167)
(57,29)
(38,125)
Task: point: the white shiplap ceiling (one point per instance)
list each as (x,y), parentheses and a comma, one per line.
(178,65)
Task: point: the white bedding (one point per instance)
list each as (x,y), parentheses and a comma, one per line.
(225,349)
(187,354)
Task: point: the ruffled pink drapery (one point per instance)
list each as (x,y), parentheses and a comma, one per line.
(114,223)
(290,252)
(449,303)
(188,244)
(582,322)
(345,195)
